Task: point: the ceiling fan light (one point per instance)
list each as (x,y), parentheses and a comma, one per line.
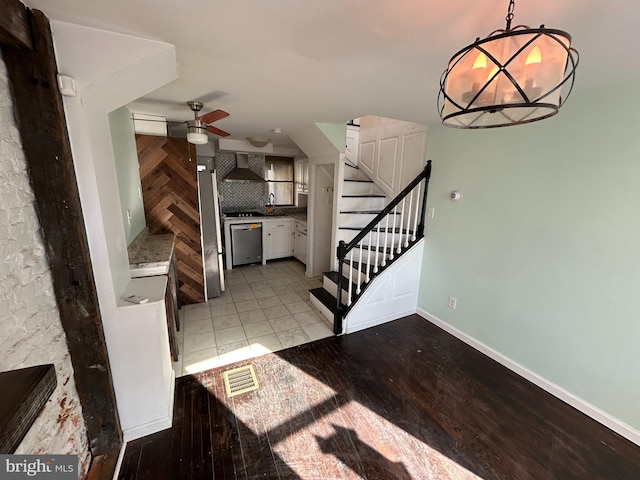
(513,76)
(258,141)
(196,133)
(197,138)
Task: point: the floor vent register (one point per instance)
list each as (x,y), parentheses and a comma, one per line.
(240,380)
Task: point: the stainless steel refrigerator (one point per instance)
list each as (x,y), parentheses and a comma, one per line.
(210,228)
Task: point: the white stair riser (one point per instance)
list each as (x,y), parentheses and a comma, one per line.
(368,257)
(354,272)
(361,188)
(321,308)
(354,174)
(332,288)
(359,220)
(351,204)
(348,235)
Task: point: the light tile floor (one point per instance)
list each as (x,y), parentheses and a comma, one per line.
(265,308)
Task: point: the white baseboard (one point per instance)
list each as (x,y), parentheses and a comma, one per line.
(116,473)
(351,328)
(576,402)
(145,429)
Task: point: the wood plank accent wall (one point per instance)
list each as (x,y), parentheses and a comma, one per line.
(170,195)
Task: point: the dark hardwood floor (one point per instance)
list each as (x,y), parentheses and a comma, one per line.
(399,401)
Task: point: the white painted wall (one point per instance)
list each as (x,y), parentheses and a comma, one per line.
(324,159)
(30,329)
(319,222)
(126,68)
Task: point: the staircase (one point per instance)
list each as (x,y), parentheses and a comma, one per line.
(373,235)
(361,201)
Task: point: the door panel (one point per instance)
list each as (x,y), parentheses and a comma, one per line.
(387,159)
(367,156)
(414,152)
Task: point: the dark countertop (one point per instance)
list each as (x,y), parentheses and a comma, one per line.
(300,217)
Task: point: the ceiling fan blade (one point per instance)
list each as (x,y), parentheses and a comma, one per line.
(217,131)
(213,116)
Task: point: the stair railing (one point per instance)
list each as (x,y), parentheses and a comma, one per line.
(401,223)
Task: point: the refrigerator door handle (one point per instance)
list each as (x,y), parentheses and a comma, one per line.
(218,227)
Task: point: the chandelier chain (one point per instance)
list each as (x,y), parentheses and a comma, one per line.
(509,17)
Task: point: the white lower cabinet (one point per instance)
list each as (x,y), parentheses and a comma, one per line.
(300,241)
(279,238)
(300,247)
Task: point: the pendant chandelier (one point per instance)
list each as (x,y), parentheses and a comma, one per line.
(513,76)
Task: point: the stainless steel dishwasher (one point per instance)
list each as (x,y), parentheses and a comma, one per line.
(246,243)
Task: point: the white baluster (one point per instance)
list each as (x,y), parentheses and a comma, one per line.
(366,278)
(400,230)
(350,278)
(386,233)
(358,289)
(375,264)
(406,241)
(415,223)
(393,232)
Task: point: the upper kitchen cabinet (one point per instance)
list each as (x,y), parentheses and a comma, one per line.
(302,175)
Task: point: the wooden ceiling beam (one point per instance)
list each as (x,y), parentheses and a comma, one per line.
(15,28)
(39,112)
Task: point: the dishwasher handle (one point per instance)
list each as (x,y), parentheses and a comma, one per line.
(246,226)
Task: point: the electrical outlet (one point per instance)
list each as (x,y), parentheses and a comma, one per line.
(453,301)
(431,211)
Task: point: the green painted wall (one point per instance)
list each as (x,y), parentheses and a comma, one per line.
(336,133)
(124,151)
(543,250)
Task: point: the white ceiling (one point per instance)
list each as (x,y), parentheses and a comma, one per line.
(289,63)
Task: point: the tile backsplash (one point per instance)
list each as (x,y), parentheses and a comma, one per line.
(245,196)
(240,196)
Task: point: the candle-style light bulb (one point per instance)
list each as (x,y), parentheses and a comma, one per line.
(493,71)
(480,61)
(535,56)
(534,59)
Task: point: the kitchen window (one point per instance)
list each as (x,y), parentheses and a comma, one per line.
(279,177)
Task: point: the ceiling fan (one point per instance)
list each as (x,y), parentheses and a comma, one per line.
(201,124)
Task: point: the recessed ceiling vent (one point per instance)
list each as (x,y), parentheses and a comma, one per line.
(242,174)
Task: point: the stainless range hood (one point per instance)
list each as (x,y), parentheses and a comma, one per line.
(241,173)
